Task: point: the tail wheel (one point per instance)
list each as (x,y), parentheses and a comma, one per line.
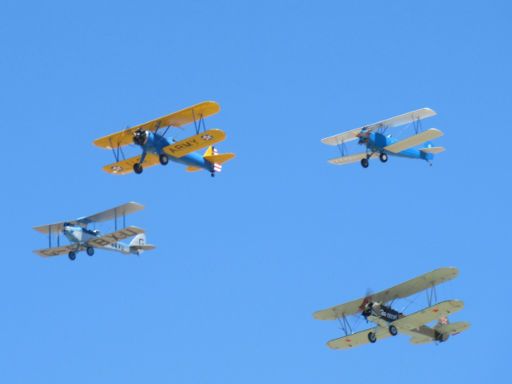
(365,163)
(372,338)
(72,255)
(164,159)
(137,168)
(90,251)
(383,157)
(392,330)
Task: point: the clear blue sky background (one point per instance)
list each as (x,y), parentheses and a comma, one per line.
(244,259)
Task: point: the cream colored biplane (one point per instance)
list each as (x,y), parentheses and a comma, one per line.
(159,149)
(377,308)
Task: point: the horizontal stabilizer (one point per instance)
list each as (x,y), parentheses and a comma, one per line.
(193,169)
(219,159)
(143,247)
(453,328)
(413,141)
(433,150)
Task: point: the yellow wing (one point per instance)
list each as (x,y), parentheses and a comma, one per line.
(220,159)
(194,143)
(176,119)
(126,166)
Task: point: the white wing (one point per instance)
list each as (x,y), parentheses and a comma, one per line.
(358,338)
(349,159)
(415,140)
(396,121)
(114,237)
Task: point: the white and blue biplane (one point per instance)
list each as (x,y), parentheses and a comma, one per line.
(378,308)
(82,238)
(159,149)
(380,144)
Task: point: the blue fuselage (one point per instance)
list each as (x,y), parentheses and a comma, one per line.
(376,142)
(155,144)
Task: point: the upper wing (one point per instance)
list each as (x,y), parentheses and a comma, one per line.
(413,141)
(408,288)
(109,214)
(396,121)
(427,315)
(57,251)
(194,143)
(124,167)
(349,158)
(176,119)
(114,237)
(358,338)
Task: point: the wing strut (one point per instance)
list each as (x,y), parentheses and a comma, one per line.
(198,123)
(431,295)
(345,325)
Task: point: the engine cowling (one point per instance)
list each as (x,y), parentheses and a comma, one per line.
(140,137)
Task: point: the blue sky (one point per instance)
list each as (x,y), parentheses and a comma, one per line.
(244,259)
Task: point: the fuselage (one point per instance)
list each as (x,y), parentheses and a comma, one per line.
(79,235)
(155,144)
(376,142)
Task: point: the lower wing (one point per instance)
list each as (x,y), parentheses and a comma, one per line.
(126,166)
(358,338)
(413,141)
(114,237)
(57,251)
(427,315)
(349,159)
(194,143)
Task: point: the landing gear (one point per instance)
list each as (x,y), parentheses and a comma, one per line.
(365,163)
(372,338)
(164,159)
(212,174)
(90,251)
(392,330)
(383,157)
(137,168)
(72,255)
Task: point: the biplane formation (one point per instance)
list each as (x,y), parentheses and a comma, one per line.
(378,309)
(82,238)
(378,143)
(157,148)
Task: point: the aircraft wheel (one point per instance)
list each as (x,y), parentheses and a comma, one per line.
(383,157)
(137,168)
(72,255)
(90,251)
(212,174)
(392,330)
(164,159)
(365,163)
(372,337)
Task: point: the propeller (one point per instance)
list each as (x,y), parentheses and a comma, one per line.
(140,137)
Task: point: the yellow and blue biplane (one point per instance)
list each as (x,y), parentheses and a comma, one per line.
(159,149)
(380,144)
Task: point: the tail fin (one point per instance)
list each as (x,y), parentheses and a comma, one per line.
(213,157)
(138,244)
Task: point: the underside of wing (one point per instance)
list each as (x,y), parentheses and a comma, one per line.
(418,284)
(114,237)
(356,339)
(433,150)
(396,121)
(427,315)
(338,311)
(57,251)
(176,119)
(413,141)
(125,167)
(349,159)
(194,143)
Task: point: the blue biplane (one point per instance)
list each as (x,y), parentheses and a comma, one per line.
(159,149)
(380,144)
